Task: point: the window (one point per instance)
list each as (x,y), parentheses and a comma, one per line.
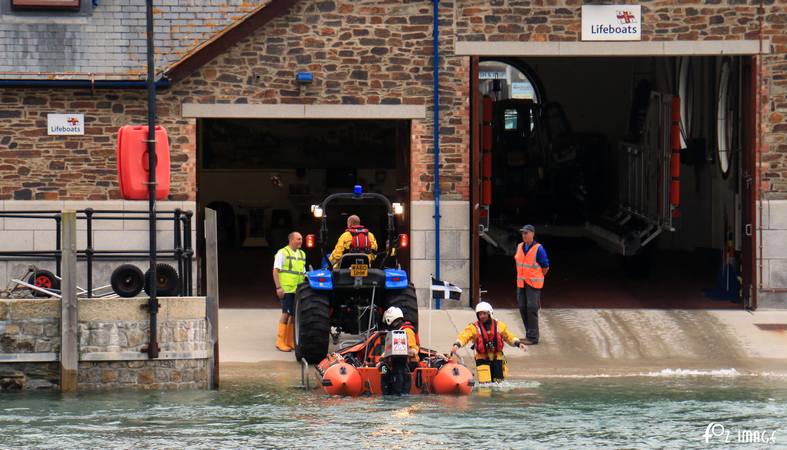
(45,4)
(510,119)
(504,81)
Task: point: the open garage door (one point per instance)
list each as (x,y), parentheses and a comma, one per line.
(262,176)
(632,169)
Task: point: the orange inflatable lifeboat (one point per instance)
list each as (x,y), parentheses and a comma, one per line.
(358,370)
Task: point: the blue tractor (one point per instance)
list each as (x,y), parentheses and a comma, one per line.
(350,296)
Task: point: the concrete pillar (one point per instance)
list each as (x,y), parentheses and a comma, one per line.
(454,248)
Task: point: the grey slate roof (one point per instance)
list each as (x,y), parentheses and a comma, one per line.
(109,41)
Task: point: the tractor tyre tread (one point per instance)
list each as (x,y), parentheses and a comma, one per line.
(312,312)
(405,300)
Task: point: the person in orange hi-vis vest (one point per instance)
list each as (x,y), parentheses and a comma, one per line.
(532,265)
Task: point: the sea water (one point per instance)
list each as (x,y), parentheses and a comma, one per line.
(672,408)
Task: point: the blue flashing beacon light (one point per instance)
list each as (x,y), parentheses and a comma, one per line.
(357,190)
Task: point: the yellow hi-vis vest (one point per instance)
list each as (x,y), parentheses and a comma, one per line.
(293,270)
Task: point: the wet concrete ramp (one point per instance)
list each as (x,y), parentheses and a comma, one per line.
(575,341)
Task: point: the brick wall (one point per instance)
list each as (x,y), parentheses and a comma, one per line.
(361,52)
(35,166)
(559,20)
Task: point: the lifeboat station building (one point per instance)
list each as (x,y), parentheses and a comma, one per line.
(645,141)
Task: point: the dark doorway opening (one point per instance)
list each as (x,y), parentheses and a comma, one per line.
(263,175)
(582,149)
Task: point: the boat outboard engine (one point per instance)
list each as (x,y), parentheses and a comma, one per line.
(394,366)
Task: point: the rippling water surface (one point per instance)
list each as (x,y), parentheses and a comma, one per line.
(661,410)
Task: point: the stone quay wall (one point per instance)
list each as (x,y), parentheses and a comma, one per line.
(112,336)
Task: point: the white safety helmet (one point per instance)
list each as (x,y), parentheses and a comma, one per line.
(483,306)
(391,314)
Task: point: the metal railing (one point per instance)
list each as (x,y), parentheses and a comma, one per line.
(182,252)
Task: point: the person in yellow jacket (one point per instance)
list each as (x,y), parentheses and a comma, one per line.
(289,270)
(357,239)
(394,319)
(396,376)
(488,335)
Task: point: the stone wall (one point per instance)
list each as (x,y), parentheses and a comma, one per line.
(30,327)
(112,337)
(29,344)
(361,52)
(145,375)
(33,376)
(35,166)
(690,20)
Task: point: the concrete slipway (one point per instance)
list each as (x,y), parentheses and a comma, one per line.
(574,342)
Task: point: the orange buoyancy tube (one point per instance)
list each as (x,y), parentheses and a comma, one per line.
(483,337)
(342,379)
(527,268)
(453,379)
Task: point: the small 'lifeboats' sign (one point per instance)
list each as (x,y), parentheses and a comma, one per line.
(611,22)
(65,124)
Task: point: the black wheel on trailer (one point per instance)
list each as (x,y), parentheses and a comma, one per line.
(312,324)
(405,300)
(45,280)
(167,282)
(127,280)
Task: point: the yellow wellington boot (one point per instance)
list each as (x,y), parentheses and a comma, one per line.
(289,335)
(281,340)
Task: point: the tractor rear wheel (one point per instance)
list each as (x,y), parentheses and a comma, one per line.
(312,324)
(405,300)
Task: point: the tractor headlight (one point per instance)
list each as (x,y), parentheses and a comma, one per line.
(317,211)
(398,209)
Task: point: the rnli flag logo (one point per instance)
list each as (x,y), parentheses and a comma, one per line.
(626,17)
